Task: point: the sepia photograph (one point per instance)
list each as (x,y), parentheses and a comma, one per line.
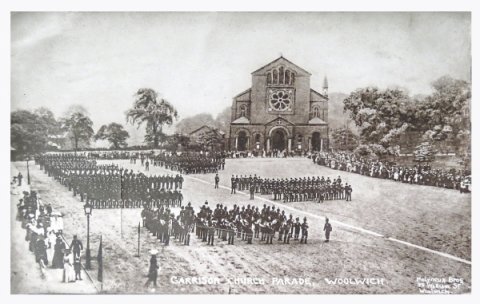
(247,153)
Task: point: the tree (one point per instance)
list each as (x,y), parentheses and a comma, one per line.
(154,112)
(114,133)
(79,128)
(444,115)
(424,152)
(177,139)
(211,139)
(382,116)
(344,139)
(29,133)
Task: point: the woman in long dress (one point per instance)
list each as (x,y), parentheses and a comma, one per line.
(68,271)
(59,248)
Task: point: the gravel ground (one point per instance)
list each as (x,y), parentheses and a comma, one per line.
(435,218)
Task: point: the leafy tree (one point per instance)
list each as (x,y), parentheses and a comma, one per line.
(382,116)
(114,133)
(445,113)
(344,139)
(424,152)
(176,140)
(29,133)
(79,128)
(152,111)
(211,139)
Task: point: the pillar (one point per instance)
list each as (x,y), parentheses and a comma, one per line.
(268,144)
(310,144)
(236,142)
(289,144)
(321,144)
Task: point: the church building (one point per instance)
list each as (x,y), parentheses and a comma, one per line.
(280,111)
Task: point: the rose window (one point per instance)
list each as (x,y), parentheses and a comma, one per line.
(281,100)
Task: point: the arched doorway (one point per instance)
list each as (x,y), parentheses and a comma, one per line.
(279,140)
(316,141)
(242,141)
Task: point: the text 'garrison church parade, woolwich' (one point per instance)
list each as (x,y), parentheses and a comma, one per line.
(280,112)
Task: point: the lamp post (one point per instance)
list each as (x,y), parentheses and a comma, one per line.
(28,171)
(88,211)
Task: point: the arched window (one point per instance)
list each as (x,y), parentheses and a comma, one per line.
(281,75)
(269,78)
(243,111)
(292,80)
(287,77)
(315,112)
(275,77)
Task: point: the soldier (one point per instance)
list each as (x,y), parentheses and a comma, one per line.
(217,180)
(211,233)
(348,192)
(76,246)
(252,191)
(296,227)
(234,185)
(327,228)
(231,233)
(304,231)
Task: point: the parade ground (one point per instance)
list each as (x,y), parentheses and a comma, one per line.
(391,237)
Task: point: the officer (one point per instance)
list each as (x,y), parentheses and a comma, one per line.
(304,231)
(348,192)
(211,233)
(234,185)
(327,228)
(217,180)
(76,246)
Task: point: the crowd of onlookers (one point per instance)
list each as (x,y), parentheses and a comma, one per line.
(44,234)
(418,174)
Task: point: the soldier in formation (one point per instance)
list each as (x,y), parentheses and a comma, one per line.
(316,189)
(191,162)
(109,186)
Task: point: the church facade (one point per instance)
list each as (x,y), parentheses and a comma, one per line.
(280,111)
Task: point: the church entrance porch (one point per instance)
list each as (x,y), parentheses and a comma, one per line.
(242,141)
(279,140)
(317,142)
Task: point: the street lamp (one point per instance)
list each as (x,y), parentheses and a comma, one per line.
(88,211)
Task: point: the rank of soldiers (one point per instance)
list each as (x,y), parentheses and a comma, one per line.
(316,189)
(109,186)
(245,223)
(191,162)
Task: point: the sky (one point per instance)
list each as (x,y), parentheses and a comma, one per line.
(199,61)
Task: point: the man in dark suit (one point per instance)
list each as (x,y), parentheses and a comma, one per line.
(76,246)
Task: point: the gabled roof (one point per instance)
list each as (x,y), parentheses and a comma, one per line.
(243,93)
(241,120)
(206,127)
(198,129)
(279,118)
(313,92)
(281,60)
(316,121)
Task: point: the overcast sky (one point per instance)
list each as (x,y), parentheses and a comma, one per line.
(199,61)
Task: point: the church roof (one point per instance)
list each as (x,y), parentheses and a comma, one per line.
(247,91)
(316,121)
(241,120)
(313,92)
(285,61)
(280,119)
